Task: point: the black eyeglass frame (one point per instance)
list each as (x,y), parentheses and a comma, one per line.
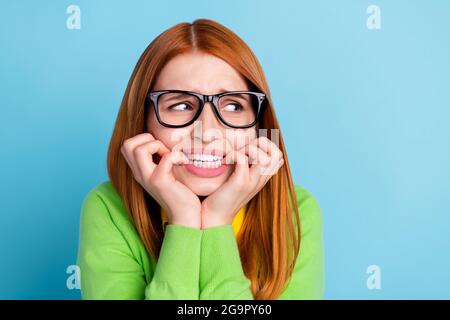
(153,96)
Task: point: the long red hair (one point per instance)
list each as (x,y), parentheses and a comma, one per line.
(269,238)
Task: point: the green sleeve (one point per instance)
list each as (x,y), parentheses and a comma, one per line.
(110,270)
(221,273)
(307,281)
(177,271)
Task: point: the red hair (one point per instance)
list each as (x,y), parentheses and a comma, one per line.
(269,238)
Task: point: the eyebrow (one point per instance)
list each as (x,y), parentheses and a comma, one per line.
(220,90)
(177,95)
(240,96)
(225,90)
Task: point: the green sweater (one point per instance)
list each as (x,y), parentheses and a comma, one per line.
(193,264)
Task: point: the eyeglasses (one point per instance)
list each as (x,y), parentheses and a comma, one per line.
(180,108)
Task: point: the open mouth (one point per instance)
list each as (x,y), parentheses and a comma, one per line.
(207,161)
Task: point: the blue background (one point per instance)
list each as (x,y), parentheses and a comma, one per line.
(365,115)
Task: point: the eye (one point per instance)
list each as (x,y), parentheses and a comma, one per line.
(233,107)
(180,107)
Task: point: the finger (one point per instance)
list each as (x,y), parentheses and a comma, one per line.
(262,175)
(143,156)
(241,170)
(227,149)
(130,144)
(273,168)
(229,158)
(169,160)
(260,149)
(268,146)
(257,156)
(146,155)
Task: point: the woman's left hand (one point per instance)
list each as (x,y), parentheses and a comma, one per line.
(245,182)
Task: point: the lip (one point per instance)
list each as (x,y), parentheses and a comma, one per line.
(206,172)
(212,152)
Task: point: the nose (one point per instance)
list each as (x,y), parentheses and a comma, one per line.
(207,127)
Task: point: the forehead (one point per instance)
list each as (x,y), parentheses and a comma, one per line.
(199,72)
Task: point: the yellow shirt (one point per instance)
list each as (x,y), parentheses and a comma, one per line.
(236,224)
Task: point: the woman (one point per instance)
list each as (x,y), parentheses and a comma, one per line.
(200,202)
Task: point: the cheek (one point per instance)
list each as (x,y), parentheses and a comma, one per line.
(170,137)
(239,138)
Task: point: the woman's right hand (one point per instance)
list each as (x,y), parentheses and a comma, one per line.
(182,206)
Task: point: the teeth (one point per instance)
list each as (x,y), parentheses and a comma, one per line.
(205,160)
(204,157)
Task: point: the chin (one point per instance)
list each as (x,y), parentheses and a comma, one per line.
(202,186)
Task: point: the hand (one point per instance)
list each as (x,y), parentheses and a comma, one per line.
(244,183)
(182,206)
